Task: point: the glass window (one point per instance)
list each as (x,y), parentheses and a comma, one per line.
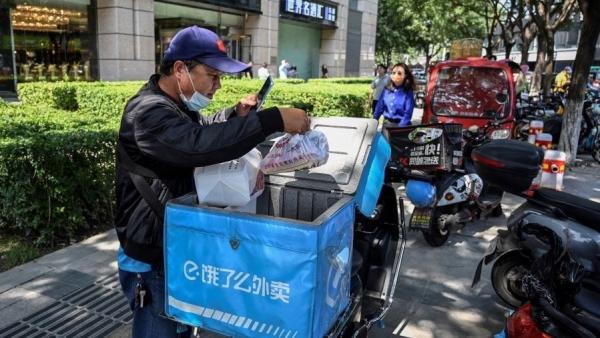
(52,40)
(170,18)
(7,79)
(471,92)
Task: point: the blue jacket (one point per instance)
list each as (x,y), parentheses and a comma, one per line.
(396,104)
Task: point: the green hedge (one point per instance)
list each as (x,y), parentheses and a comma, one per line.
(57,185)
(57,148)
(343,80)
(108,99)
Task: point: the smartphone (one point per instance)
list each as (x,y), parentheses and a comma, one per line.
(264,91)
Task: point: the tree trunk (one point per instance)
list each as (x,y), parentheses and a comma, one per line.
(388,58)
(525,52)
(428,57)
(540,65)
(509,48)
(590,30)
(549,69)
(489,48)
(527,37)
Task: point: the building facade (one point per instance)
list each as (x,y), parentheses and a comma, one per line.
(52,40)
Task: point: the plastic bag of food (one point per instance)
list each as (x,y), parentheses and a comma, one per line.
(233,183)
(296,152)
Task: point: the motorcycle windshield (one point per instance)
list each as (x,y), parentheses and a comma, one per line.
(472,92)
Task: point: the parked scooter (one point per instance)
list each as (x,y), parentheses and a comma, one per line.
(531,109)
(447,200)
(318,256)
(589,140)
(539,318)
(548,256)
(379,243)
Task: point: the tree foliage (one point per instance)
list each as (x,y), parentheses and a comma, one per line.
(391,35)
(511,15)
(426,26)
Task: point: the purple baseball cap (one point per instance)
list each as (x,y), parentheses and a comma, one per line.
(204,46)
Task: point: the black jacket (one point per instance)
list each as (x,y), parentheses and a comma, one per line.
(171,140)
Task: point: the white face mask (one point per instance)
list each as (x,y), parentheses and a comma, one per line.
(198,101)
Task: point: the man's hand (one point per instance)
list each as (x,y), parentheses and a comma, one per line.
(245,105)
(294,120)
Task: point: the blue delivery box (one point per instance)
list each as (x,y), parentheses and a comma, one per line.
(284,271)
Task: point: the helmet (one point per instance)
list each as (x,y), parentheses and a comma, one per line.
(420,193)
(568,69)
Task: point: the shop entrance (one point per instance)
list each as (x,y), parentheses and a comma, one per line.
(300,45)
(52,41)
(7,69)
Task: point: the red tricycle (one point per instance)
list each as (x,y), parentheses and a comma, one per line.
(472,91)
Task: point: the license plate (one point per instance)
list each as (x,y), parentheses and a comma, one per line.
(421,218)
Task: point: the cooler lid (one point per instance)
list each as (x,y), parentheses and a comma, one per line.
(350,141)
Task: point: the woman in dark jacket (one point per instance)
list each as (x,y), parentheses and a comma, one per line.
(397,101)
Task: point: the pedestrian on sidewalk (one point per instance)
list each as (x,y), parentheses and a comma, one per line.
(284,68)
(562,81)
(381,80)
(397,101)
(162,138)
(263,72)
(324,71)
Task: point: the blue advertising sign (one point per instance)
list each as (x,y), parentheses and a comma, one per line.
(311,10)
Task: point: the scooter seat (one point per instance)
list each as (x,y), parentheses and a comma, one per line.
(583,210)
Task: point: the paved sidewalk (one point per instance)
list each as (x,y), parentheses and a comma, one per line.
(75,291)
(71,292)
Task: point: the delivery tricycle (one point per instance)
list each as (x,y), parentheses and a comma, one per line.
(472,92)
(318,257)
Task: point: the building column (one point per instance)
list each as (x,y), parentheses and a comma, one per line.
(264,32)
(125,39)
(369,32)
(333,43)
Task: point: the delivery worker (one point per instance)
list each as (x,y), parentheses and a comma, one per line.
(161,139)
(562,81)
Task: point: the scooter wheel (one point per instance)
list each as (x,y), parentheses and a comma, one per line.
(596,150)
(507,275)
(436,235)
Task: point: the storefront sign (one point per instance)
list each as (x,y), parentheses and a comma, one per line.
(311,10)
